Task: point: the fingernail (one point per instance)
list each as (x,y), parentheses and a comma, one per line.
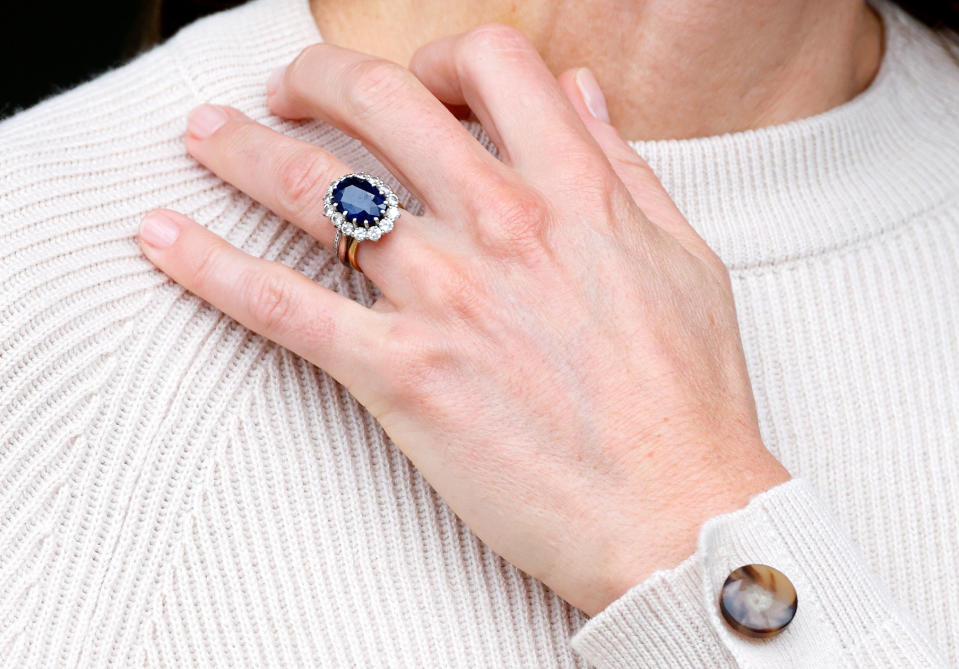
(205,120)
(592,94)
(159,230)
(273,82)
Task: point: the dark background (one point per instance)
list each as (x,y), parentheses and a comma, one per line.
(48,46)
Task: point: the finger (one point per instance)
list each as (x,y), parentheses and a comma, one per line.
(497,72)
(328,329)
(383,104)
(586,96)
(291,178)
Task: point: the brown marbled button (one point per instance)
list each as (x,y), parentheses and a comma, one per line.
(758,601)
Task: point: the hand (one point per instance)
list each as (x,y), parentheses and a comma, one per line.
(556,349)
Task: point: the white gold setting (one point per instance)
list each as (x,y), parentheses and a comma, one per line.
(389,210)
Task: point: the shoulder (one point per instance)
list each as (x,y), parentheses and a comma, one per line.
(925,61)
(80,169)
(118,384)
(920,111)
(113,147)
(84,155)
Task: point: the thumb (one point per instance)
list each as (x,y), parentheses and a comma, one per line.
(583,90)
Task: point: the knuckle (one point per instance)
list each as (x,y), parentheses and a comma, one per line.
(421,370)
(521,216)
(303,180)
(719,268)
(297,73)
(710,263)
(512,220)
(413,362)
(268,299)
(496,38)
(592,178)
(206,268)
(372,83)
(240,142)
(714,261)
(240,139)
(459,291)
(633,163)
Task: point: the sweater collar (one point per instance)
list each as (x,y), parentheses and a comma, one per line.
(759,197)
(830,181)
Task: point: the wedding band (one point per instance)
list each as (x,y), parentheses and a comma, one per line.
(346,250)
(351,255)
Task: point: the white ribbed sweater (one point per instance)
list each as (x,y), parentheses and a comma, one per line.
(177,491)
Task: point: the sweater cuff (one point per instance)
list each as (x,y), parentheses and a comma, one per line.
(672,618)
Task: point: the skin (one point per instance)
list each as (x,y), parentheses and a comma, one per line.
(556,348)
(669,68)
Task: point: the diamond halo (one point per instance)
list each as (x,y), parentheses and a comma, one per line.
(361,226)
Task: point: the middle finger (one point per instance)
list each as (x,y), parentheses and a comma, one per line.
(411,132)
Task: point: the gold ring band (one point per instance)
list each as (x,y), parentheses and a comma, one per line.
(341,242)
(351,254)
(346,250)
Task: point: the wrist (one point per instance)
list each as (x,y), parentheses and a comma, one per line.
(672,525)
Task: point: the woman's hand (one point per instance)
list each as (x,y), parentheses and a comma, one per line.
(556,349)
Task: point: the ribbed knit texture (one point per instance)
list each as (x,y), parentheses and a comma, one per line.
(177,491)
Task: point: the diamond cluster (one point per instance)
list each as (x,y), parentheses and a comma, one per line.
(368,193)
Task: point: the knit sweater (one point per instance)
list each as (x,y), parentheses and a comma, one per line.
(176,490)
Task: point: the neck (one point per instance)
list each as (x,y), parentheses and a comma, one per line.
(669,68)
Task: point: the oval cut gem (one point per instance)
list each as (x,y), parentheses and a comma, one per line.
(358,198)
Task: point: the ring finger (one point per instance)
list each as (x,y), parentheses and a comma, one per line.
(411,132)
(291,178)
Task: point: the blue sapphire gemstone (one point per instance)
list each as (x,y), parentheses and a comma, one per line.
(357,198)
